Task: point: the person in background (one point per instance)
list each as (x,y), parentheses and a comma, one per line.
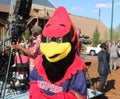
(20,57)
(33,49)
(113,56)
(103,65)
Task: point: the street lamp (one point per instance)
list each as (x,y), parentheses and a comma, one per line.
(111,32)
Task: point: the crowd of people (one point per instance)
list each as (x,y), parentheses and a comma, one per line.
(107,61)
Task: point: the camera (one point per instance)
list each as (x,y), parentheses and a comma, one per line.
(17,29)
(19,13)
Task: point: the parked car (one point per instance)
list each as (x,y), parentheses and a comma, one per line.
(93,50)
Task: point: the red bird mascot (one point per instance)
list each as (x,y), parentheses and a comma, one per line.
(59,71)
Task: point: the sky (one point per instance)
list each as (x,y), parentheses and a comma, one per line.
(95,9)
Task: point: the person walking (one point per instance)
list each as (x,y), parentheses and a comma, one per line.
(103,65)
(113,56)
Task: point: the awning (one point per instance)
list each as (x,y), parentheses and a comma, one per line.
(4,8)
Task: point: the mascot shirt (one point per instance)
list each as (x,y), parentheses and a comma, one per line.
(76,83)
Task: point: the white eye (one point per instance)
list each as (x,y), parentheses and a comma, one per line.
(59,40)
(48,39)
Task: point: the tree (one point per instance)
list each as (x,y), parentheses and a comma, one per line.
(95,39)
(116,33)
(118,29)
(27,34)
(106,37)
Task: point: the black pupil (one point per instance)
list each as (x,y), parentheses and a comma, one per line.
(48,39)
(59,40)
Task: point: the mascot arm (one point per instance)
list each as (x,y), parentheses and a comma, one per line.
(34,91)
(37,94)
(61,95)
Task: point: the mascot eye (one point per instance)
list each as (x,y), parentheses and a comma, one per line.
(48,39)
(59,40)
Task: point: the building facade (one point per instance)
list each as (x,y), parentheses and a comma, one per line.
(42,10)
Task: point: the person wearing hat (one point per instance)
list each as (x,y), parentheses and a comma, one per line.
(36,30)
(103,65)
(33,49)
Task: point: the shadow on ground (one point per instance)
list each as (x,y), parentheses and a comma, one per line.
(110,85)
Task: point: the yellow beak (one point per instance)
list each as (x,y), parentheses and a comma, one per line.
(55,51)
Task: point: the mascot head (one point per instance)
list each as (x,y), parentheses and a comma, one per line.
(58,45)
(59,37)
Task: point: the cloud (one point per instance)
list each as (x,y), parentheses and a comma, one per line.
(107,5)
(76,9)
(102,5)
(117,4)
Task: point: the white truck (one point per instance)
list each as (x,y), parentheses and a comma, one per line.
(93,50)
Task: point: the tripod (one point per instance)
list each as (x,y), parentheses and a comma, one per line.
(3,88)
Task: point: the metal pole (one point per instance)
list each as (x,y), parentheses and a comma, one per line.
(99,13)
(111,32)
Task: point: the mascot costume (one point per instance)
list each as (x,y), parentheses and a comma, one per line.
(59,71)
